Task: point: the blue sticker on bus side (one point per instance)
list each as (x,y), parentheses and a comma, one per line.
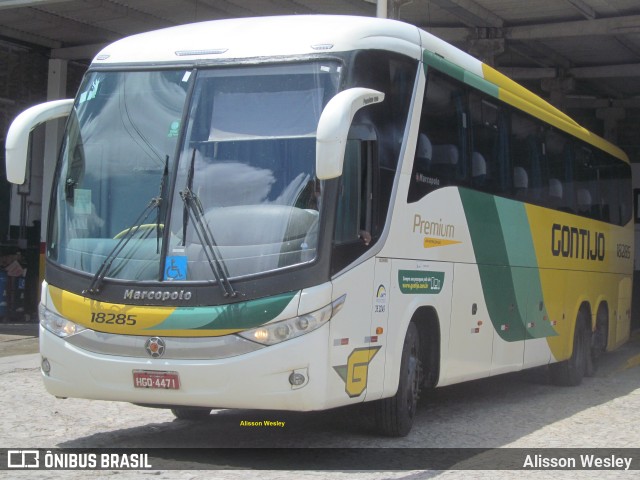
(175,268)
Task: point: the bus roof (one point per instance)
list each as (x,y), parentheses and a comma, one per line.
(244,38)
(261,37)
(511,92)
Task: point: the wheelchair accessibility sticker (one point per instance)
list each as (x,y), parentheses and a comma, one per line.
(175,267)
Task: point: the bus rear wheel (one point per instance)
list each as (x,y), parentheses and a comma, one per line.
(394,415)
(598,341)
(571,371)
(191,413)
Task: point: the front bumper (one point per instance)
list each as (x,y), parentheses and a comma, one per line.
(255,380)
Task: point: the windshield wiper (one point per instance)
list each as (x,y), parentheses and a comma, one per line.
(195,213)
(98,278)
(163,186)
(129,233)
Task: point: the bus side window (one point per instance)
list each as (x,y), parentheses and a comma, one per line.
(442,140)
(354,202)
(558,156)
(614,178)
(567,164)
(625,202)
(587,183)
(354,230)
(608,188)
(490,137)
(395,75)
(529,180)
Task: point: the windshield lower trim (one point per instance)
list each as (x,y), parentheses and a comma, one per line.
(192,293)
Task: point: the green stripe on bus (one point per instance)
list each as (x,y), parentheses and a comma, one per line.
(242,315)
(481,84)
(526,279)
(443,65)
(492,259)
(471,79)
(514,224)
(504,252)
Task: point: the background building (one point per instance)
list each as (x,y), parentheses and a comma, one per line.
(581,55)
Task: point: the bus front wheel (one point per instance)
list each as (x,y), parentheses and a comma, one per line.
(394,415)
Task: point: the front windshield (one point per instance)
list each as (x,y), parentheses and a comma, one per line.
(121,134)
(246,156)
(249,160)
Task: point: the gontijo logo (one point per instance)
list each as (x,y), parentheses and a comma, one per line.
(579,243)
(355,373)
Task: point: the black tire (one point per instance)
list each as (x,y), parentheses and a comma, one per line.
(191,413)
(569,373)
(394,416)
(598,344)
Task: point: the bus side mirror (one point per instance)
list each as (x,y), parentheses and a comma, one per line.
(17,141)
(333,128)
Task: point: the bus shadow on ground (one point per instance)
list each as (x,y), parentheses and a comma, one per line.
(486,413)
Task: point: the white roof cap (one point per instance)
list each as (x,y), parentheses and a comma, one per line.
(262,37)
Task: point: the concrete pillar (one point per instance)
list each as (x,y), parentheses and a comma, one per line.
(635,296)
(390,8)
(486,49)
(26,199)
(56,90)
(611,117)
(558,89)
(382,9)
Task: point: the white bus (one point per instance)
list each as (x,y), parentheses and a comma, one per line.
(306,212)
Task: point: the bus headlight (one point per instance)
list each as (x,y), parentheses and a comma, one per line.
(277,332)
(56,324)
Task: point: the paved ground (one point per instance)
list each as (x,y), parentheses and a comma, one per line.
(18,338)
(517,410)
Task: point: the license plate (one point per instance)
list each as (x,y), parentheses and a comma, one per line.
(156,379)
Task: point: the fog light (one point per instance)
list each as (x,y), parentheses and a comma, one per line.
(276,332)
(261,335)
(282,331)
(297,379)
(303,323)
(46,366)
